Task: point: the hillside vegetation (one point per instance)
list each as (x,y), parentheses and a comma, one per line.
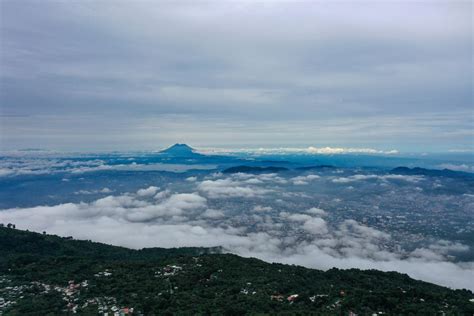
(48,275)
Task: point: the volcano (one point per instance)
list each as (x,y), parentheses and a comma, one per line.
(181,151)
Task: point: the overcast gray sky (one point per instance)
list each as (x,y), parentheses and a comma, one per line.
(111,75)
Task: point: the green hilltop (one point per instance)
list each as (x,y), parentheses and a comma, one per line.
(44,274)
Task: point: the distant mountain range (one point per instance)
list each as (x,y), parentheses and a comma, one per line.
(432,172)
(258,169)
(254,169)
(318,167)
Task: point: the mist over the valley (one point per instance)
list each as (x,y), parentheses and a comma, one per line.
(315,210)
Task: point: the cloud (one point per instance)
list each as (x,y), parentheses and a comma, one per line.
(122,207)
(26,163)
(312,225)
(189,219)
(224,188)
(316,226)
(5,172)
(316,211)
(271,177)
(178,168)
(340,150)
(211,213)
(296,217)
(86,192)
(57,84)
(163,194)
(175,205)
(303,180)
(362,177)
(445,247)
(308,150)
(151,190)
(457,167)
(260,208)
(259,178)
(55,163)
(461,150)
(253,181)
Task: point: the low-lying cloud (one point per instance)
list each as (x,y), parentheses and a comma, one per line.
(361,177)
(14,166)
(185,219)
(225,188)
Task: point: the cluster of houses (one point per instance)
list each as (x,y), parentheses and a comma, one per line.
(168,270)
(246,290)
(106,306)
(70,293)
(9,294)
(105,273)
(280,298)
(314,297)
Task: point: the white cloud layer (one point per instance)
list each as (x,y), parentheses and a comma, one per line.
(362,177)
(184,219)
(303,180)
(225,188)
(457,167)
(24,165)
(151,190)
(308,150)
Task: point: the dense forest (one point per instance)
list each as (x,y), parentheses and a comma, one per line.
(43,274)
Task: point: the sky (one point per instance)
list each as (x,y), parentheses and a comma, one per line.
(121,75)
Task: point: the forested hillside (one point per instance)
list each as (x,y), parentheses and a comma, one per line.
(43,274)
